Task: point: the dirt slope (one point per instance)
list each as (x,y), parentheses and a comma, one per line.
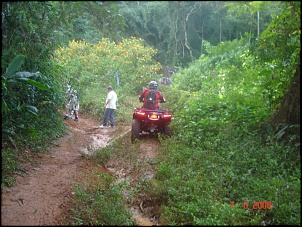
(43,195)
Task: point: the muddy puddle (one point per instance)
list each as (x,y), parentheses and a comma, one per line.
(125,171)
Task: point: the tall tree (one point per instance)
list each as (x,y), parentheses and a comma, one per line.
(177,28)
(281,46)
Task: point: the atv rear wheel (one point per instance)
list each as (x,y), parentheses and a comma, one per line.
(135,130)
(167,130)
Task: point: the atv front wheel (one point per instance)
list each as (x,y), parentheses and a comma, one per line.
(135,130)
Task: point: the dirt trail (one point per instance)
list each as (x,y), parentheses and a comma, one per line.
(43,195)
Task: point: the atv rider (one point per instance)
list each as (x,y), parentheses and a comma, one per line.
(151,101)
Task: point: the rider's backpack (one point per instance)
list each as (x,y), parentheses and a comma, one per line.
(151,96)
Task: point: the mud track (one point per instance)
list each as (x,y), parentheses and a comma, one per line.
(43,194)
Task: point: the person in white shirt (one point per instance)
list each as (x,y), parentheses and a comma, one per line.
(110,107)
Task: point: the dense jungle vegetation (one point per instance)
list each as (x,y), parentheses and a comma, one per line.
(235,98)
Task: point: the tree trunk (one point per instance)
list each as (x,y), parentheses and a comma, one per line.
(185,29)
(258,23)
(289,111)
(219,30)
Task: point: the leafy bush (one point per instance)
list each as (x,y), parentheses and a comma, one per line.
(29,115)
(100,202)
(9,166)
(220,153)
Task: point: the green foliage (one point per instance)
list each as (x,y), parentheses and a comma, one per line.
(279,47)
(29,117)
(22,103)
(92,67)
(103,156)
(175,28)
(31,100)
(31,23)
(218,154)
(125,107)
(99,199)
(197,183)
(122,147)
(30,91)
(9,167)
(99,202)
(97,18)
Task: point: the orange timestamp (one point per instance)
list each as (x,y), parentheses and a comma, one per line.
(257,205)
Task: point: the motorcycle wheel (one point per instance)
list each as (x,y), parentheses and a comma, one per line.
(135,130)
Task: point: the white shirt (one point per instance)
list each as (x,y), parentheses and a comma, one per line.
(113,99)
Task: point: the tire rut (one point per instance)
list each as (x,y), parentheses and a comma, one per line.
(43,195)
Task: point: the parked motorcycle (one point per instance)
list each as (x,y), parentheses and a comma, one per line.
(150,122)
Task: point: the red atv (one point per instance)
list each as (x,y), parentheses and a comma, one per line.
(150,122)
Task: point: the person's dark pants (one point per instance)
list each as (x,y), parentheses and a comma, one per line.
(109,114)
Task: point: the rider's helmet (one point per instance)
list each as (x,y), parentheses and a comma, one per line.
(153,85)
